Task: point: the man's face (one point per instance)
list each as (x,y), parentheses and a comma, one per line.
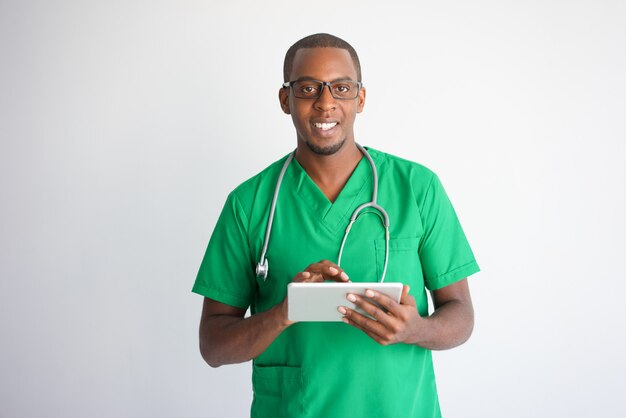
(323,124)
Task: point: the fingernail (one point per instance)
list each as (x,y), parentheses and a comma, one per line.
(333,270)
(342,310)
(351,297)
(369,293)
(344,276)
(344,319)
(306,274)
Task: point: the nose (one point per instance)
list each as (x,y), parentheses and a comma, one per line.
(326,101)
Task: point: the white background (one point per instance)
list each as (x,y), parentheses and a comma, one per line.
(124,124)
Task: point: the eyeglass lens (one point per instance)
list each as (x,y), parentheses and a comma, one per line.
(312,89)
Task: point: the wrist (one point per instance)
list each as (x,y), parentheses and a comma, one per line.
(280,315)
(419,331)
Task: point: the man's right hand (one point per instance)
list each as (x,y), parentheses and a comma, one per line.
(322,271)
(227,337)
(316,273)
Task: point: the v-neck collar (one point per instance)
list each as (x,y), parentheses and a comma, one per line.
(333,215)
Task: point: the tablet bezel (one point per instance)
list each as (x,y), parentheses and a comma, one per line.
(318,302)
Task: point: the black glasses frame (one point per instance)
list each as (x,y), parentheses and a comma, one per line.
(359,84)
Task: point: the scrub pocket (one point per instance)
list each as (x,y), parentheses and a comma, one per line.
(404,264)
(278,392)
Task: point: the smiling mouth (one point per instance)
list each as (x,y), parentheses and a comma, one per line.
(325,126)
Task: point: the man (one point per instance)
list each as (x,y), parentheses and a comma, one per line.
(361,367)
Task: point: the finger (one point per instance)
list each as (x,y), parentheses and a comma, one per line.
(329,271)
(366,323)
(406,298)
(333,272)
(337,274)
(410,301)
(405,292)
(386,302)
(305,276)
(376,312)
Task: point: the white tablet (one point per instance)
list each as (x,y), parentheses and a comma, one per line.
(319,301)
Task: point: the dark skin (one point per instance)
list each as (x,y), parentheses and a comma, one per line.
(227,337)
(330,172)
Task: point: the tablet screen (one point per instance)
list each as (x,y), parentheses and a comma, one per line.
(319,301)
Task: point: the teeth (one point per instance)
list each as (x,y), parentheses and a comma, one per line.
(325,126)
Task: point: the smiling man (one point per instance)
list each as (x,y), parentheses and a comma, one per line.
(366,366)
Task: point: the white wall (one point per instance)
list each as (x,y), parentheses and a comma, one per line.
(124,124)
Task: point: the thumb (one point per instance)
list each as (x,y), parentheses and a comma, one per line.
(405,292)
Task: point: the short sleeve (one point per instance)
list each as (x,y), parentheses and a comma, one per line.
(225,274)
(444,252)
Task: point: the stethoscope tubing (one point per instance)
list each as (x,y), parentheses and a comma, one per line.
(262,267)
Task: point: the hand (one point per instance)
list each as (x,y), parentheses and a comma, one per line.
(393,322)
(321,271)
(316,272)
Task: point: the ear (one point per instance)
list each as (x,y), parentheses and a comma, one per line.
(283,97)
(361,99)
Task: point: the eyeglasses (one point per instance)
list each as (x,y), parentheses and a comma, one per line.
(312,89)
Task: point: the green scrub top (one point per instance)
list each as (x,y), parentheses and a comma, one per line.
(319,369)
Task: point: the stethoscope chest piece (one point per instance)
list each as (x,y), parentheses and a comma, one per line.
(262,269)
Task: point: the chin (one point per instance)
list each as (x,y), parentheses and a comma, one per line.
(325,149)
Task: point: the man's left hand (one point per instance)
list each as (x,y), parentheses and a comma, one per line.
(393,322)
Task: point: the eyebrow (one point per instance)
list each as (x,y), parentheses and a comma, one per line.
(308,78)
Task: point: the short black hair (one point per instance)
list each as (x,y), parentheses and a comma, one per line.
(319,40)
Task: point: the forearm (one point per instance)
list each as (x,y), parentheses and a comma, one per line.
(226,339)
(449,326)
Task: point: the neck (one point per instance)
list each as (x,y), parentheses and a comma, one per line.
(329,172)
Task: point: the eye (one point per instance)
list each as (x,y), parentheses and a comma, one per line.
(309,89)
(344,89)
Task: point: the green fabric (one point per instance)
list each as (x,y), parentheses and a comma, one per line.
(332,369)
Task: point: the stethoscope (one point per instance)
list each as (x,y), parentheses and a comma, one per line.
(262,266)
